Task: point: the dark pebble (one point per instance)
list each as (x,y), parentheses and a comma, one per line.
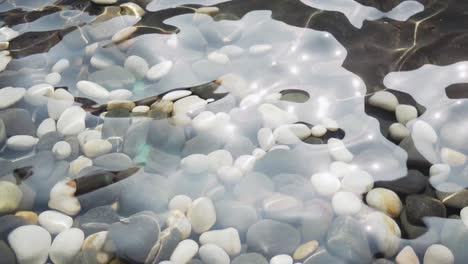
(420,206)
(17,122)
(413,182)
(249,258)
(7,256)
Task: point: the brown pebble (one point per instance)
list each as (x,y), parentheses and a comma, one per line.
(305,250)
(30,217)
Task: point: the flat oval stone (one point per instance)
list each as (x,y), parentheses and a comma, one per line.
(385,201)
(21,142)
(55,222)
(384,100)
(272,238)
(30,243)
(184,252)
(10,197)
(9,96)
(202,214)
(66,246)
(251,258)
(420,206)
(213,254)
(228,239)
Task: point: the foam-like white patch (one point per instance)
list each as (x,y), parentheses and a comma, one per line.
(357,13)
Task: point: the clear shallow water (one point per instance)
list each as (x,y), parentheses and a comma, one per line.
(256,77)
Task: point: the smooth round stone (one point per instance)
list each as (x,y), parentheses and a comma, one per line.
(266,139)
(62,198)
(201,214)
(413,182)
(10,96)
(30,243)
(424,132)
(231,213)
(10,197)
(405,113)
(274,116)
(113,161)
(228,239)
(230,174)
(452,157)
(104,2)
(407,256)
(325,183)
(452,195)
(218,57)
(8,256)
(38,94)
(398,131)
(60,101)
(253,187)
(281,259)
(61,150)
(134,237)
(284,135)
(30,217)
(384,100)
(213,254)
(93,249)
(46,126)
(137,66)
(96,219)
(338,150)
(282,207)
(184,252)
(195,163)
(177,219)
(92,90)
(141,109)
(176,95)
(123,34)
(55,222)
(438,254)
(97,147)
(72,121)
(260,49)
(272,238)
(189,104)
(355,180)
(220,158)
(464,215)
(232,51)
(347,240)
(79,164)
(382,231)
(251,258)
(439,173)
(180,203)
(305,250)
(21,142)
(53,78)
(61,65)
(245,163)
(421,206)
(159,70)
(346,203)
(385,201)
(318,130)
(66,246)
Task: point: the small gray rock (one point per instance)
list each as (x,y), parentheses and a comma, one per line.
(113,161)
(7,255)
(250,258)
(231,213)
(253,187)
(17,122)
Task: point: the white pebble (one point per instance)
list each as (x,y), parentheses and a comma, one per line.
(189,104)
(384,100)
(464,215)
(66,246)
(407,256)
(213,254)
(228,239)
(318,130)
(62,198)
(232,51)
(61,65)
(281,259)
(92,90)
(346,203)
(159,70)
(178,220)
(218,57)
(384,200)
(204,121)
(21,142)
(120,94)
(180,202)
(338,150)
(405,113)
(60,101)
(184,252)
(325,183)
(265,138)
(274,117)
(104,2)
(452,157)
(424,131)
(46,126)
(398,131)
(141,109)
(55,222)
(260,49)
(10,95)
(230,174)
(356,181)
(176,95)
(195,163)
(438,254)
(78,164)
(97,147)
(123,34)
(439,173)
(72,121)
(30,243)
(245,163)
(7,33)
(61,150)
(201,214)
(220,158)
(37,94)
(53,78)
(137,66)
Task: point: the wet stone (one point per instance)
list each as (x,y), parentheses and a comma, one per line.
(420,206)
(413,182)
(47,141)
(113,161)
(96,220)
(134,237)
(231,213)
(272,238)
(8,256)
(17,122)
(251,258)
(323,256)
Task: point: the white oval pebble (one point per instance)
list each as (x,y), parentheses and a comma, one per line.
(438,254)
(37,94)
(218,57)
(53,78)
(452,157)
(281,259)
(137,66)
(175,95)
(61,150)
(184,252)
(180,202)
(318,130)
(346,203)
(195,163)
(230,174)
(338,150)
(104,2)
(78,164)
(384,200)
(97,147)
(123,34)
(260,49)
(201,214)
(46,126)
(159,70)
(228,239)
(30,243)
(464,215)
(66,246)
(62,198)
(325,183)
(405,113)
(439,173)
(141,109)
(384,100)
(407,256)
(204,121)
(72,121)
(265,138)
(61,65)
(220,158)
(92,89)
(120,94)
(245,163)
(213,254)
(10,95)
(21,142)
(55,222)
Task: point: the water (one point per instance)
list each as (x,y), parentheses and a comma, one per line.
(264,104)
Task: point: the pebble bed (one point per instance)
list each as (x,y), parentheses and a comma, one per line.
(225,141)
